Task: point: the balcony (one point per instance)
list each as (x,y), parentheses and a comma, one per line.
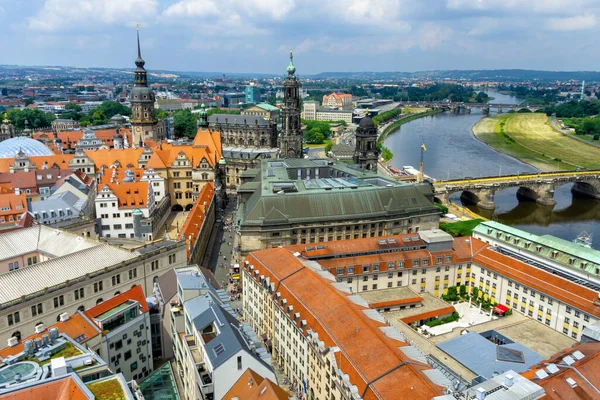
(203,375)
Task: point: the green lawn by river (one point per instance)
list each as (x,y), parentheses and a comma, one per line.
(530,138)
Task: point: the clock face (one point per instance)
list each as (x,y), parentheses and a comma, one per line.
(138,128)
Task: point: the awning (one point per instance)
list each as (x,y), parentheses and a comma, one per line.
(235,277)
(500,309)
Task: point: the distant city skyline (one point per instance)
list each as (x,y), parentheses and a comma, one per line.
(255,36)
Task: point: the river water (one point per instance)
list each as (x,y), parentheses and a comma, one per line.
(454,152)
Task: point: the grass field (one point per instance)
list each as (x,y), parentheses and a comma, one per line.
(531,139)
(414,110)
(461,228)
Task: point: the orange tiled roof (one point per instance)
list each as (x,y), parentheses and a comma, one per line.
(74,327)
(556,385)
(120,174)
(107,157)
(366,353)
(65,388)
(564,290)
(191,227)
(135,293)
(130,194)
(13,202)
(429,314)
(396,302)
(211,140)
(261,388)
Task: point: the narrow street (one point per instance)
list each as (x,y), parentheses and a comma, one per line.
(223,256)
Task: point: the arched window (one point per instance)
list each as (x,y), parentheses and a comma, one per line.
(99,301)
(117,293)
(81,308)
(58,318)
(17,334)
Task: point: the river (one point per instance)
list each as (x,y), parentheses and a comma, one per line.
(454,152)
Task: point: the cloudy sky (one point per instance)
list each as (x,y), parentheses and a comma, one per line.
(326,35)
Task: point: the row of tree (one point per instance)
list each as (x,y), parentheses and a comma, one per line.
(574,109)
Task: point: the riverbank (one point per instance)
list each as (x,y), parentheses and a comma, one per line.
(386,153)
(530,138)
(402,120)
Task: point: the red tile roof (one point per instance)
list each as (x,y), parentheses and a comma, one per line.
(429,314)
(130,194)
(261,388)
(193,223)
(65,388)
(74,327)
(366,353)
(556,385)
(135,293)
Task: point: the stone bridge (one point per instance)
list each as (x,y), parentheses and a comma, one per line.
(538,187)
(456,107)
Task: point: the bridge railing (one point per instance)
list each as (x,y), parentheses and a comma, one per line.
(541,175)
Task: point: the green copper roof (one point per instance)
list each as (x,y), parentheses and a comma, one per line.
(267,107)
(569,254)
(283,194)
(291,69)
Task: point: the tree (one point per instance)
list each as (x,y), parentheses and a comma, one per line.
(222,111)
(29,101)
(475,293)
(73,107)
(159,114)
(36,118)
(184,124)
(112,108)
(463,290)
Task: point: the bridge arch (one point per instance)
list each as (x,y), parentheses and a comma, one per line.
(587,189)
(525,193)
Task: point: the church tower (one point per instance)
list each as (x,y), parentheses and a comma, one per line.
(365,153)
(290,138)
(143,122)
(7,130)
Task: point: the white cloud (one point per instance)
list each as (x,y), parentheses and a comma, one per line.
(432,35)
(221,9)
(537,5)
(578,23)
(63,15)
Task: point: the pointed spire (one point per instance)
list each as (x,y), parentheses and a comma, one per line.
(139,62)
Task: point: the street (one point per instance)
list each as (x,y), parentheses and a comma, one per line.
(223,255)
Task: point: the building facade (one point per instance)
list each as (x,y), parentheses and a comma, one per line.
(252,94)
(246,140)
(79,273)
(265,111)
(340,101)
(126,343)
(290,140)
(213,348)
(312,111)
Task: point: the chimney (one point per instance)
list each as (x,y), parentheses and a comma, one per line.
(480,393)
(508,380)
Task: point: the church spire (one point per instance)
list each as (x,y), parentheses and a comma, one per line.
(141,78)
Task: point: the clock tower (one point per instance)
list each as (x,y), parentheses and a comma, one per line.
(143,122)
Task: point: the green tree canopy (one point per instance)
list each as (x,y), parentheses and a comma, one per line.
(36,118)
(73,107)
(184,124)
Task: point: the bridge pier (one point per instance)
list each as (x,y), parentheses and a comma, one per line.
(541,193)
(499,110)
(486,199)
(485,110)
(468,109)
